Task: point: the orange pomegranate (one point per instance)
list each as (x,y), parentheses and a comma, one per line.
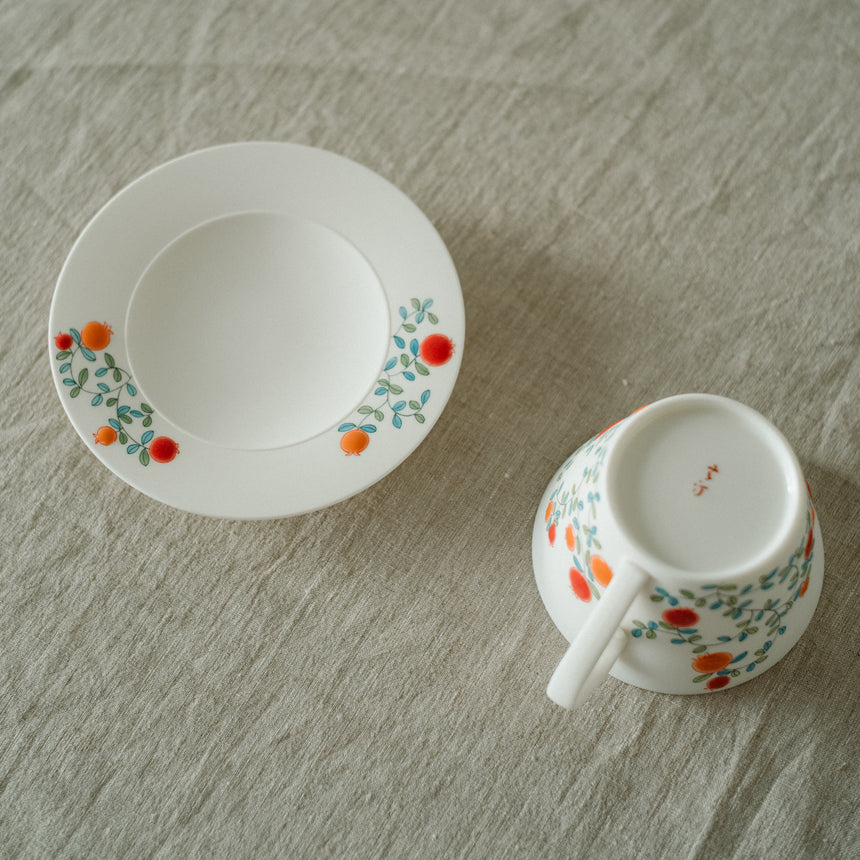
(96,335)
(354,441)
(569,537)
(712,662)
(105,436)
(601,570)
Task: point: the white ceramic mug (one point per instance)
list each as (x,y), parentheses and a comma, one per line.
(678,550)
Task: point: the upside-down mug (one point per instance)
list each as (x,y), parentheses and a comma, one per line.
(678,551)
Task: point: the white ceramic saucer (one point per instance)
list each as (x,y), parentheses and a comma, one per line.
(256,330)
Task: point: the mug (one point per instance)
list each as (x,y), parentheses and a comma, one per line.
(678,551)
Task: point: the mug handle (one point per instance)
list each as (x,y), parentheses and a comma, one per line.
(600,641)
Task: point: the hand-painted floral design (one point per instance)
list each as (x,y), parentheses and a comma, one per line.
(757,616)
(408,361)
(84,371)
(575,503)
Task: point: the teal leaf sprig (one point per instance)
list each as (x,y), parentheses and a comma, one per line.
(86,368)
(400,393)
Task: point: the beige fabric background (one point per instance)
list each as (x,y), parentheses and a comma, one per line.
(641,200)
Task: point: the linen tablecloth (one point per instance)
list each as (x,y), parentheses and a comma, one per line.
(640,200)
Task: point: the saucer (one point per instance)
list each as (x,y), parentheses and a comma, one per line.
(256,330)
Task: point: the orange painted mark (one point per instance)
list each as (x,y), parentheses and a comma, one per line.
(96,335)
(354,441)
(712,662)
(601,570)
(570,538)
(105,436)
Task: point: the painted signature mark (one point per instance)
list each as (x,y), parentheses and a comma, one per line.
(699,487)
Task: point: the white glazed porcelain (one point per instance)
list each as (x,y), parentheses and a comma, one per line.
(256,330)
(678,550)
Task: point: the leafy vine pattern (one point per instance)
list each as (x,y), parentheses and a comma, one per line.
(752,611)
(85,367)
(409,360)
(576,505)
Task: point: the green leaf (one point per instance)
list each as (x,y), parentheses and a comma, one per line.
(378,415)
(75,392)
(650,634)
(408,327)
(700,648)
(699,678)
(365,410)
(688,594)
(125,418)
(109,360)
(63,353)
(422,370)
(404,360)
(416,304)
(414,405)
(666,626)
(117,375)
(395,389)
(147,421)
(696,638)
(656,598)
(433,318)
(123,438)
(83,376)
(145,407)
(701,602)
(639,624)
(111,401)
(419,417)
(143,457)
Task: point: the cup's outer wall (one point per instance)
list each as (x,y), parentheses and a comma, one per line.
(685,640)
